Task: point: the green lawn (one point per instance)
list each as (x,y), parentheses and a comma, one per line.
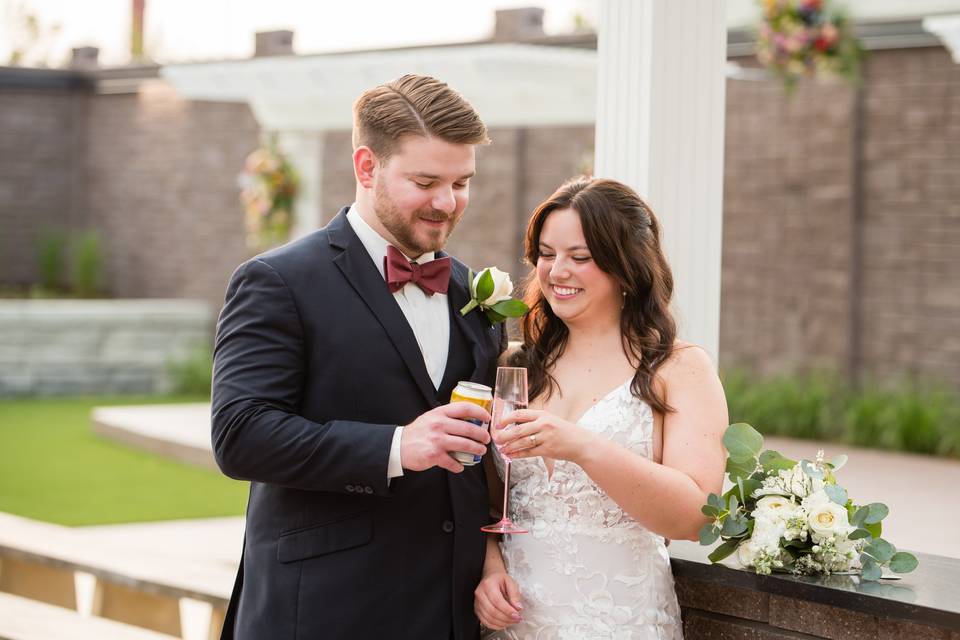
(53,468)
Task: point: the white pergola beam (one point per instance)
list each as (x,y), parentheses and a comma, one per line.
(511,85)
(660,126)
(947,28)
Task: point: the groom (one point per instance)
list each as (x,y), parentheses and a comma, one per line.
(334,361)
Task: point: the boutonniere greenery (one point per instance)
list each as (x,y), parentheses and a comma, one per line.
(490,291)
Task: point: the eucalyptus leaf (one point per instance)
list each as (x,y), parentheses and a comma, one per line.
(510,308)
(870,570)
(742,441)
(876,530)
(733,527)
(838,462)
(734,504)
(485,285)
(710,512)
(740,469)
(749,486)
(811,470)
(903,562)
(836,493)
(773,461)
(709,534)
(859,533)
(715,501)
(877,512)
(724,550)
(859,516)
(881,550)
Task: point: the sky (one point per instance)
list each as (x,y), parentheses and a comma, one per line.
(192,30)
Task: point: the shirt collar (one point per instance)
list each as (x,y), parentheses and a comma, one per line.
(373,242)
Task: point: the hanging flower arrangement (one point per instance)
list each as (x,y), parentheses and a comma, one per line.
(268,187)
(807,38)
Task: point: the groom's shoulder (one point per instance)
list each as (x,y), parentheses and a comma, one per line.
(298,261)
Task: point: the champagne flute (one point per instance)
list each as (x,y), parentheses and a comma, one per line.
(509,395)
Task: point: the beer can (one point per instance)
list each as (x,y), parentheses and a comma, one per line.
(479,394)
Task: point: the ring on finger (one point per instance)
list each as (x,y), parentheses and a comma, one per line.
(533,439)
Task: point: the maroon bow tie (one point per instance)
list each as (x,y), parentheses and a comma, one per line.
(433,277)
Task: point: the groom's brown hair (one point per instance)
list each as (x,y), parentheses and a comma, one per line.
(413,105)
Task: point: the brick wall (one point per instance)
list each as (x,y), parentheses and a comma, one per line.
(787,227)
(789,293)
(41,144)
(163,190)
(911,293)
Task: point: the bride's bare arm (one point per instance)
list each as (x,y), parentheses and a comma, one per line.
(664,497)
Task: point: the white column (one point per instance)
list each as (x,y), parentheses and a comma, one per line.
(304,150)
(660,120)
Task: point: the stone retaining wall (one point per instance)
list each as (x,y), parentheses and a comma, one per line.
(724,602)
(68,347)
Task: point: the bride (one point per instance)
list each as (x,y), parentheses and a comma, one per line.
(622,441)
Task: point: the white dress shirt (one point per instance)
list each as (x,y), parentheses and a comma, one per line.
(428,316)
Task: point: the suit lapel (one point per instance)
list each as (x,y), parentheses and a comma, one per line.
(357,267)
(474,324)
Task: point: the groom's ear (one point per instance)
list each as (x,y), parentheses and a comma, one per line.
(364,166)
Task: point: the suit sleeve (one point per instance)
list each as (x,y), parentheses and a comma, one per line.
(258,380)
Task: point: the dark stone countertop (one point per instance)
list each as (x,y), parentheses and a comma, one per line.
(929,595)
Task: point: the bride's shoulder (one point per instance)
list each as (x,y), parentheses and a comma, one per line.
(686,361)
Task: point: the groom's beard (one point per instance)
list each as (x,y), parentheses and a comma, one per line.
(414,237)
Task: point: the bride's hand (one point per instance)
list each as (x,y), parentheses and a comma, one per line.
(538,433)
(496,601)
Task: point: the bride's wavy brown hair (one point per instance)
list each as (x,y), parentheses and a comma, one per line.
(623,236)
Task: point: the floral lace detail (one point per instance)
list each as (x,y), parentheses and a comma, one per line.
(587,570)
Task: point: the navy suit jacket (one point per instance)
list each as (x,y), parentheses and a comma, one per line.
(314,367)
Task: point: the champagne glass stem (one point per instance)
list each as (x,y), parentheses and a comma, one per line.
(506,487)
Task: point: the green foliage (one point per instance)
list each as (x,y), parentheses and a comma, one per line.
(904,417)
(87,264)
(50,259)
(53,468)
(82,277)
(193,374)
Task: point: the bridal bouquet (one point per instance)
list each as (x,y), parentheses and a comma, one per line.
(783,515)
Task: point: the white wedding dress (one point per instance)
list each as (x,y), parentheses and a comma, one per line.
(587,570)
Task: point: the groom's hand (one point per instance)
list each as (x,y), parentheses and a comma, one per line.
(428,441)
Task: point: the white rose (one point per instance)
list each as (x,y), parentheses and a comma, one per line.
(746,553)
(502,286)
(776,506)
(828,519)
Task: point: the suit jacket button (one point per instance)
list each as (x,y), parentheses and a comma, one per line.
(368,490)
(447,526)
(349,488)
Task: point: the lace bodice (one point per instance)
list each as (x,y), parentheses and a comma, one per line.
(587,570)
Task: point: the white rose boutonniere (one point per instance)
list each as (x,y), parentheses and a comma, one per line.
(490,291)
